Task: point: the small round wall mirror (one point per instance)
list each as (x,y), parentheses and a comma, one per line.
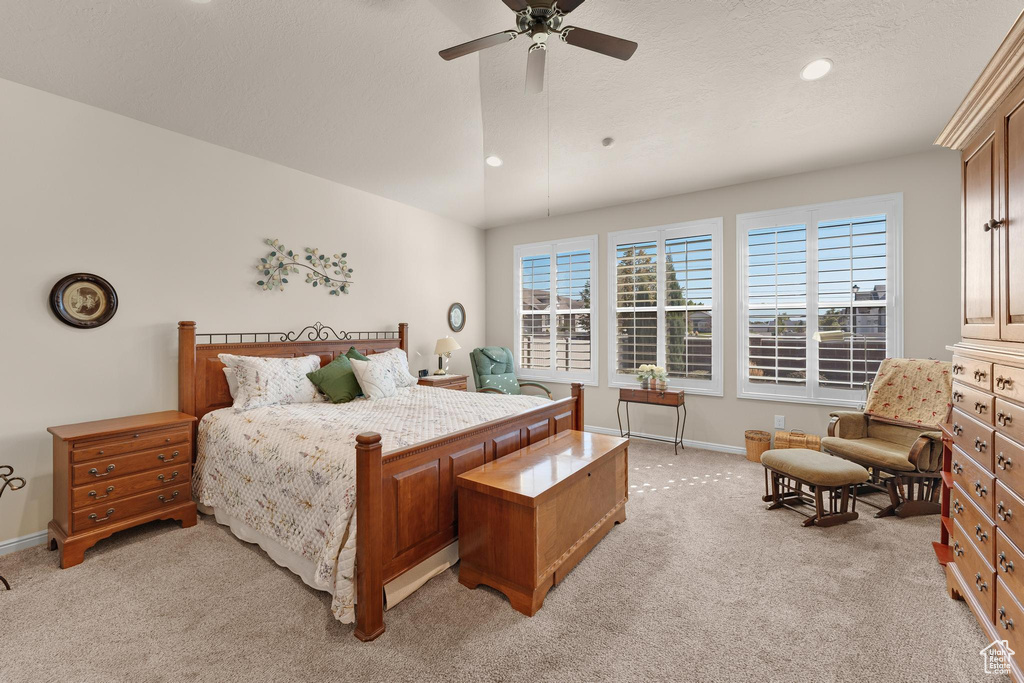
(456,317)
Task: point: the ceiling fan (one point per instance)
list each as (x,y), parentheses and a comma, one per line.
(541,20)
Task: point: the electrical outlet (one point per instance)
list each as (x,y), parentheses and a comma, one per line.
(780,421)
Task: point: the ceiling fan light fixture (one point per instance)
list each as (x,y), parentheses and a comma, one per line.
(493,161)
(816,70)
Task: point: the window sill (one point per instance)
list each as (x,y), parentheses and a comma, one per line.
(814,401)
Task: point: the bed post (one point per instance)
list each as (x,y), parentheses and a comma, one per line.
(403,337)
(187,367)
(577,411)
(369,534)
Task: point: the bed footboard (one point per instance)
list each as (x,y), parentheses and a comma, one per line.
(406,499)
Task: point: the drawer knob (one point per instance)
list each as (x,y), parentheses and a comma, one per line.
(980,445)
(981,585)
(97,519)
(958,369)
(1004,564)
(1003,420)
(96,496)
(958,507)
(979,534)
(165,458)
(173,477)
(1004,382)
(164,499)
(96,473)
(135,436)
(1006,623)
(957,429)
(957,397)
(1002,513)
(992,225)
(980,408)
(957,549)
(167,440)
(980,489)
(980,375)
(100,453)
(1003,462)
(957,467)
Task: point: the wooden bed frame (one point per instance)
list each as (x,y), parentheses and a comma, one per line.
(405,499)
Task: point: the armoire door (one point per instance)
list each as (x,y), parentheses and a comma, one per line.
(1011,237)
(980,296)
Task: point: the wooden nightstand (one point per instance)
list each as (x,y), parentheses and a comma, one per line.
(454,382)
(111,475)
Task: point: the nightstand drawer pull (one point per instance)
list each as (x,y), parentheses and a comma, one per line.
(1004,564)
(979,534)
(1003,462)
(163,457)
(957,467)
(981,490)
(957,429)
(163,499)
(96,473)
(958,507)
(1002,513)
(94,518)
(173,477)
(981,585)
(980,445)
(957,549)
(94,496)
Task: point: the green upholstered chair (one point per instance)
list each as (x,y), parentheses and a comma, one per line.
(494,372)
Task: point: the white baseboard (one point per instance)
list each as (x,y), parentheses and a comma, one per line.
(16,544)
(686,442)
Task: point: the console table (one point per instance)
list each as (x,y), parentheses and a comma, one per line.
(655,397)
(9,481)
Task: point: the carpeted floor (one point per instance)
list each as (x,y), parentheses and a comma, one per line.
(700,584)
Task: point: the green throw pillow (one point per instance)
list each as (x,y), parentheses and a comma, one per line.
(336,379)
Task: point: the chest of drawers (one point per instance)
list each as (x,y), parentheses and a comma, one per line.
(111,475)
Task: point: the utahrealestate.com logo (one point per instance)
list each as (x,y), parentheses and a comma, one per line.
(997,657)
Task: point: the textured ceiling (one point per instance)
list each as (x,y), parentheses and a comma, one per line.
(354,90)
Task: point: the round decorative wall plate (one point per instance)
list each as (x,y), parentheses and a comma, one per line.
(83,300)
(457,317)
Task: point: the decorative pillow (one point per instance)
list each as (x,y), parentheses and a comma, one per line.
(397,363)
(352,354)
(229,375)
(374,378)
(271,381)
(336,380)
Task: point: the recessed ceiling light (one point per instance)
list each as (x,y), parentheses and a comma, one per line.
(819,68)
(494,161)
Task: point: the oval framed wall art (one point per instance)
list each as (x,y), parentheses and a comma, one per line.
(456,317)
(83,300)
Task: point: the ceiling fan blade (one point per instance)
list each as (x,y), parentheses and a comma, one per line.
(599,42)
(535,69)
(516,5)
(477,45)
(567,6)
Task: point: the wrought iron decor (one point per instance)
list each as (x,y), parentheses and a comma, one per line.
(9,481)
(330,272)
(315,332)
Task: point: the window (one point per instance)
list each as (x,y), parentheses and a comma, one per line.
(831,270)
(554,314)
(664,289)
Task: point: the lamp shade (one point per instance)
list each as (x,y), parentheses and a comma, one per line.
(832,336)
(446,345)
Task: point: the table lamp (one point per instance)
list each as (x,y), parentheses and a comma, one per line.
(444,348)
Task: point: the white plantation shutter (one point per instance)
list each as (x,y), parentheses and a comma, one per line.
(664,289)
(554,314)
(827,267)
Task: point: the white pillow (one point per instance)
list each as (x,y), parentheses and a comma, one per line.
(375,378)
(229,375)
(271,381)
(397,363)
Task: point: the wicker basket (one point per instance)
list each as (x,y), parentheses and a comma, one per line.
(757,443)
(797,439)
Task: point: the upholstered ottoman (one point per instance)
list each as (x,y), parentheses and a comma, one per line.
(832,481)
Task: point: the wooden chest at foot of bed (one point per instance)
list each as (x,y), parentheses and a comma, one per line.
(525,520)
(111,475)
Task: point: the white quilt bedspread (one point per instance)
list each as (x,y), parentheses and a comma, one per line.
(289,472)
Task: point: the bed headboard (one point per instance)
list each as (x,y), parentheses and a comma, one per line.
(202,386)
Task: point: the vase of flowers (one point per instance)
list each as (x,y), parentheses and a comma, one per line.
(652,376)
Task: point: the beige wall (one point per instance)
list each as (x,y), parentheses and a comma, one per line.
(176,225)
(930,186)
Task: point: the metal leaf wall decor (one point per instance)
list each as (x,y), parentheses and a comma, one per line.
(330,272)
